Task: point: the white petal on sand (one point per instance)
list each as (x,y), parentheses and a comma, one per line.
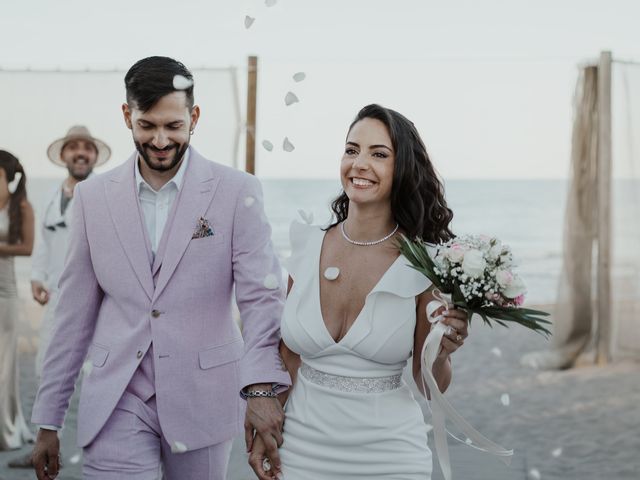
(249,201)
(181,83)
(505,400)
(468,441)
(557,452)
(290,98)
(331,273)
(270,3)
(496,351)
(300,76)
(287,146)
(75,459)
(271,282)
(268,146)
(87,367)
(248,21)
(178,447)
(534,474)
(307,217)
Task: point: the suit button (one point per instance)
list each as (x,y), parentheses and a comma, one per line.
(155,313)
(139,354)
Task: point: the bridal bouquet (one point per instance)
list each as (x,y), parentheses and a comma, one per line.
(478,273)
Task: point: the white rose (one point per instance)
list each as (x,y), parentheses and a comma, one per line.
(455,253)
(473,263)
(504,278)
(496,250)
(516,288)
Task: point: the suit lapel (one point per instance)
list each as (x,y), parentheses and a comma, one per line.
(192,202)
(124,207)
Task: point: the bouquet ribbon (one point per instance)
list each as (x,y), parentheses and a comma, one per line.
(441,409)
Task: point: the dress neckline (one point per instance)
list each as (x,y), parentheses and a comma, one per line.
(318,275)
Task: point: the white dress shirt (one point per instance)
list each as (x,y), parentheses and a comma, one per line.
(156,205)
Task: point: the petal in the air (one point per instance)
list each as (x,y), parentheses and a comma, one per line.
(287,146)
(290,98)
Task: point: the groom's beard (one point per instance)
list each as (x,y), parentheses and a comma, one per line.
(143,150)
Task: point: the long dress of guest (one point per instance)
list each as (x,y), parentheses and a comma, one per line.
(350,415)
(14,431)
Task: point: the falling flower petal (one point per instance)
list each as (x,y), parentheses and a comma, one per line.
(75,459)
(290,98)
(505,400)
(271,282)
(249,201)
(287,146)
(270,3)
(496,351)
(534,473)
(307,217)
(248,21)
(468,441)
(268,146)
(87,367)
(300,76)
(178,447)
(181,82)
(429,427)
(557,452)
(331,273)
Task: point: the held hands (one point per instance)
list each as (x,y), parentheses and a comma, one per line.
(261,463)
(39,292)
(264,419)
(458,320)
(46,455)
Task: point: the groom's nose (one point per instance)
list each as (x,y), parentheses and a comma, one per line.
(160,139)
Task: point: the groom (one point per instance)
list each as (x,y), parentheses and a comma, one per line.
(157,248)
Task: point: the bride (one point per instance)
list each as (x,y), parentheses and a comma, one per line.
(356,312)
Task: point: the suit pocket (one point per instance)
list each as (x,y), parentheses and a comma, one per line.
(221,354)
(214,239)
(97,355)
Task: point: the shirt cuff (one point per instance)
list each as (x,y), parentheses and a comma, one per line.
(55,428)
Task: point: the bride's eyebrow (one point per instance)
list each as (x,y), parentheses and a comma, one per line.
(380,146)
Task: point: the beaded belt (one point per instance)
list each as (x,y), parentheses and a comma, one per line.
(351,384)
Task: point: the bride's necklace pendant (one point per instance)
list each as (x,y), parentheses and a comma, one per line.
(331,273)
(367,244)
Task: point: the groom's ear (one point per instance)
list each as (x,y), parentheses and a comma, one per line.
(127,115)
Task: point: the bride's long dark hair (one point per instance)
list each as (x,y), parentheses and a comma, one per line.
(417,194)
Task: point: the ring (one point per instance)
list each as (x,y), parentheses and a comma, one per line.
(458,338)
(266,465)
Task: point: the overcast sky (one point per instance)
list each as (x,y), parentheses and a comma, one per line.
(488,83)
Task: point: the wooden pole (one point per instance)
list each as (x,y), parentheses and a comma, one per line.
(603,331)
(252,88)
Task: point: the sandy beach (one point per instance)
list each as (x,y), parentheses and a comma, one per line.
(576,424)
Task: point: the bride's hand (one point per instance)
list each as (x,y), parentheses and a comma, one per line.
(458,320)
(259,461)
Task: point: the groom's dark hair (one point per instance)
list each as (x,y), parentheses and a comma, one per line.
(152,78)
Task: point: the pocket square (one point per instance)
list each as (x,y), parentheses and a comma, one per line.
(203,229)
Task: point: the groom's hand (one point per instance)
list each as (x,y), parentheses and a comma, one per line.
(46,455)
(266,417)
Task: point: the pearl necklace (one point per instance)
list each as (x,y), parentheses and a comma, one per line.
(367,244)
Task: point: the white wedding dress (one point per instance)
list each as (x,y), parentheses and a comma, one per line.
(350,415)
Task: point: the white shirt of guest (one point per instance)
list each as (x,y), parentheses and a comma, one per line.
(156,205)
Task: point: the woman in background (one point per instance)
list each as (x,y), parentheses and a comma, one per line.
(16,238)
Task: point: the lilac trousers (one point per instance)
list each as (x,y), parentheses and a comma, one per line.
(131,446)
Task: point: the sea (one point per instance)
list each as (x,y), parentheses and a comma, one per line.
(528,215)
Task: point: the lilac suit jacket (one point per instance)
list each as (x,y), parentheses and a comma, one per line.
(115,301)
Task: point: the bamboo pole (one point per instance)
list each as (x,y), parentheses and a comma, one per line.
(603,329)
(252,87)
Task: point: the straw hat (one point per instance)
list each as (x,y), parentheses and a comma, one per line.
(78,132)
